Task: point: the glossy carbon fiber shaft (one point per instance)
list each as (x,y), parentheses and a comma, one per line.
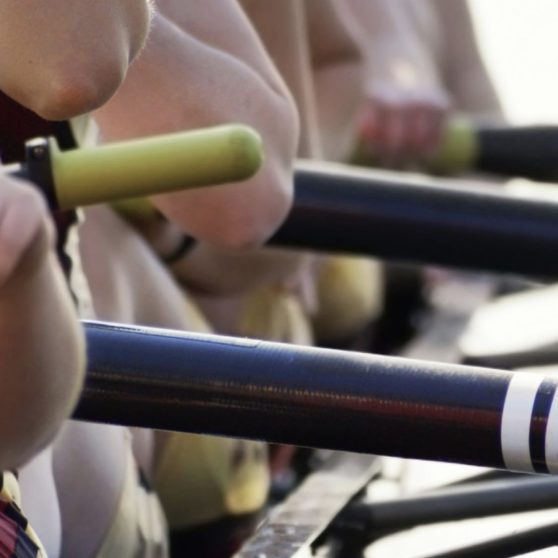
(320,398)
(529,152)
(340,209)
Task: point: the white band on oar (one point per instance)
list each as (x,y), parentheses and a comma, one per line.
(516,421)
(551,437)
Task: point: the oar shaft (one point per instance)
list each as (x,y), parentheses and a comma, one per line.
(453,504)
(529,152)
(338,209)
(320,398)
(522,151)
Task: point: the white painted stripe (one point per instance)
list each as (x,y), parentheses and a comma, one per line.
(551,438)
(516,420)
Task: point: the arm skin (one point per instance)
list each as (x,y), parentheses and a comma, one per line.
(406,99)
(212,271)
(462,65)
(315,53)
(282,27)
(41,342)
(304,53)
(204,65)
(62,59)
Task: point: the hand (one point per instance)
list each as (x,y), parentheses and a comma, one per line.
(399,127)
(26,232)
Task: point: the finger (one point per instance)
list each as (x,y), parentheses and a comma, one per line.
(391,136)
(425,132)
(435,131)
(22,222)
(367,129)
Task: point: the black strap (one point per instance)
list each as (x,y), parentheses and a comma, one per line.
(184,247)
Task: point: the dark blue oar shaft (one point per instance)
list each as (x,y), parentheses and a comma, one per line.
(338,209)
(317,397)
(528,151)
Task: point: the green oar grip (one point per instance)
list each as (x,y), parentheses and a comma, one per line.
(458,151)
(155,165)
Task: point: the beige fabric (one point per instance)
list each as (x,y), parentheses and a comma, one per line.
(85,130)
(77,280)
(275,314)
(350,292)
(139,528)
(216,477)
(196,320)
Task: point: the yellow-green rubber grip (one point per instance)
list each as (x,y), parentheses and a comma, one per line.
(155,165)
(458,151)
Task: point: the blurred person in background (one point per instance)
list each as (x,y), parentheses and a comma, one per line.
(423,65)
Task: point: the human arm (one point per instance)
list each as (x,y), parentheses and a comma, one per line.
(61,59)
(463,67)
(204,65)
(406,101)
(41,342)
(320,63)
(282,26)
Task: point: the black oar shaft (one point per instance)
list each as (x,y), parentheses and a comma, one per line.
(510,151)
(452,504)
(316,397)
(513,545)
(340,210)
(530,151)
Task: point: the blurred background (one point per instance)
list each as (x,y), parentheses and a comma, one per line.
(520,45)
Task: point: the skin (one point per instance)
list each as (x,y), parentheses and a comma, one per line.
(282,27)
(462,66)
(421,65)
(43,345)
(180,63)
(309,65)
(406,101)
(58,82)
(311,45)
(41,341)
(196,52)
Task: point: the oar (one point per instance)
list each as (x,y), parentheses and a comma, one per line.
(470,501)
(522,151)
(320,398)
(143,167)
(390,215)
(337,208)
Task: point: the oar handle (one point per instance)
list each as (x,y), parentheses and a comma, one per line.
(521,151)
(458,150)
(148,166)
